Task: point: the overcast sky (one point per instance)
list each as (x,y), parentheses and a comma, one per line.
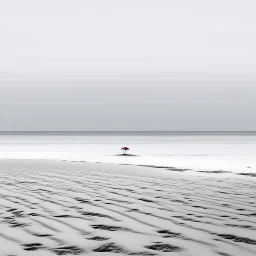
(127,65)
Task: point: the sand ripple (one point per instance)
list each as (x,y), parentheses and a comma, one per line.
(67,208)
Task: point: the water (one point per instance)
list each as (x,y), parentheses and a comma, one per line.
(233,151)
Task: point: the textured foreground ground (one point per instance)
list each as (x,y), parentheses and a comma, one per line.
(68,208)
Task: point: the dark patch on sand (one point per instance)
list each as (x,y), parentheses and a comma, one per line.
(125,155)
(109,228)
(98,238)
(223,254)
(217,172)
(146,200)
(11,210)
(63,216)
(239,226)
(72,250)
(241,209)
(177,169)
(95,214)
(237,239)
(199,206)
(41,235)
(111,247)
(163,247)
(83,201)
(154,166)
(248,174)
(33,214)
(32,247)
(168,234)
(13,222)
(142,253)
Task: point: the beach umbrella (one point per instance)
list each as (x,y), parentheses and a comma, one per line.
(125,149)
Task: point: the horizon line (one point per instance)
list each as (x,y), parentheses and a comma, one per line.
(127,131)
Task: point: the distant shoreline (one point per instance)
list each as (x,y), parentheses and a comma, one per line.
(129,133)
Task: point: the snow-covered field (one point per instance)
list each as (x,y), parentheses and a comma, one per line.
(53,207)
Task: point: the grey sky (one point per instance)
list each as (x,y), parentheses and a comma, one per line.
(127,65)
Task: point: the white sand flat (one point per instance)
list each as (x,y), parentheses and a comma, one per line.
(52,207)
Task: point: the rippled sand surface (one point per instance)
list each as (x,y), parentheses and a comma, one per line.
(76,208)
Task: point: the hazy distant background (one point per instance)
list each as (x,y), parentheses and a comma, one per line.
(127,65)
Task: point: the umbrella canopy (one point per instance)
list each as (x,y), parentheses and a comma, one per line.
(125,148)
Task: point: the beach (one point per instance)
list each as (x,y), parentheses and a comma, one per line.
(62,207)
(127,128)
(197,151)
